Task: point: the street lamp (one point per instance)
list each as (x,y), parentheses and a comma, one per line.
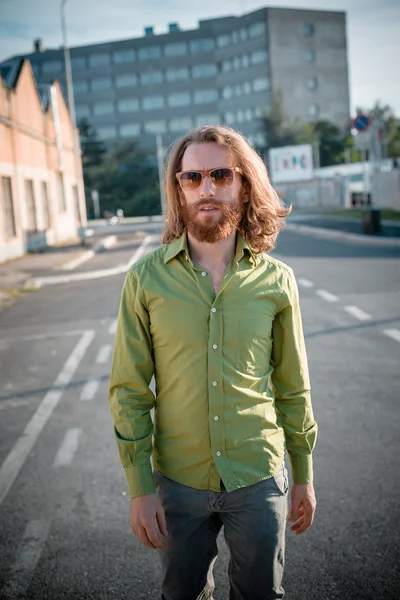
(71,104)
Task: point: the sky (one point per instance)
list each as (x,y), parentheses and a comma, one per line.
(373,31)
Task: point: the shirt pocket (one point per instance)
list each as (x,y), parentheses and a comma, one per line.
(254,346)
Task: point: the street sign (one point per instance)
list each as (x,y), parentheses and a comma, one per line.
(361,122)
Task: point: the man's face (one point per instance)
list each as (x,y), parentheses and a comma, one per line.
(211,213)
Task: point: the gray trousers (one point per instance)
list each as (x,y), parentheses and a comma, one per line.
(254,520)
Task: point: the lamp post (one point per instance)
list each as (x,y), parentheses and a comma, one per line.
(71,104)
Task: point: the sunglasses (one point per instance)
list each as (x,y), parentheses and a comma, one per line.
(222,177)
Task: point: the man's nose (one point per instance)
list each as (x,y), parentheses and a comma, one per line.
(206,188)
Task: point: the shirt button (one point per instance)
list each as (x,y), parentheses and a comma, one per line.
(216,418)
(204,273)
(215,383)
(218,453)
(213,310)
(215,346)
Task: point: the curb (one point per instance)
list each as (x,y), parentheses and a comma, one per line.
(357,238)
(85,256)
(38,282)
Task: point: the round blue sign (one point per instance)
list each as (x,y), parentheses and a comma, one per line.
(361,122)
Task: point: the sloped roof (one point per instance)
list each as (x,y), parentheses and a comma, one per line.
(10,71)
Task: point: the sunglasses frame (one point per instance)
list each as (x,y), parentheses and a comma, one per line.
(206,173)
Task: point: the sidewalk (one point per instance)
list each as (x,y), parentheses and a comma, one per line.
(53,260)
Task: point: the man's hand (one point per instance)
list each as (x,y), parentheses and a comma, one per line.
(302,507)
(148,520)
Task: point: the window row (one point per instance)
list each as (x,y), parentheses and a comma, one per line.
(244,61)
(179,124)
(177,99)
(31,203)
(241,35)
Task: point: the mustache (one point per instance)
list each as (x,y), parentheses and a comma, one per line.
(214,203)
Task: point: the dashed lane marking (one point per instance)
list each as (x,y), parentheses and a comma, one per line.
(68,448)
(358,313)
(328,296)
(14,461)
(89,389)
(305,282)
(104,354)
(393,333)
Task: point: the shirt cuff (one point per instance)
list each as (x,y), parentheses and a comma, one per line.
(302,468)
(140,480)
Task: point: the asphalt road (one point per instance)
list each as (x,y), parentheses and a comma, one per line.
(64,524)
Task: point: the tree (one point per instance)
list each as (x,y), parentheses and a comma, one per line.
(93,151)
(127,179)
(390,126)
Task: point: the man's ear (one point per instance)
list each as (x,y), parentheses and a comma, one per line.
(245,194)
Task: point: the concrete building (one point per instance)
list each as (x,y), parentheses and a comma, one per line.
(41,186)
(225,71)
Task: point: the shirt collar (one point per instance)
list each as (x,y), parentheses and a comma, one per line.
(180,245)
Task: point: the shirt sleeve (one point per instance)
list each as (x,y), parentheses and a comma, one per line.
(291,384)
(130,397)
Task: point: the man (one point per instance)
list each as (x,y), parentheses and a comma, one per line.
(216,320)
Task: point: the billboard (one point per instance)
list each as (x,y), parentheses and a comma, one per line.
(291,163)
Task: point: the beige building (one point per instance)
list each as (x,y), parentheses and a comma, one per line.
(41,185)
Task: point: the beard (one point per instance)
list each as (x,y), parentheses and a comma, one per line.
(216,226)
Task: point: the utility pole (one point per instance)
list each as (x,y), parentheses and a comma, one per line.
(160,161)
(71,101)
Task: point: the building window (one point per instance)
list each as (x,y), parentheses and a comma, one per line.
(227,92)
(127,80)
(258,112)
(309,30)
(123,56)
(62,204)
(260,56)
(245,61)
(155,127)
(230,117)
(78,62)
(247,87)
(180,124)
(151,77)
(80,86)
(128,105)
(177,74)
(240,116)
(46,206)
(224,40)
(237,62)
(153,102)
(8,204)
(200,71)
(227,66)
(243,34)
(313,110)
(99,60)
(103,83)
(179,99)
(256,30)
(52,66)
(82,111)
(205,45)
(205,96)
(177,49)
(129,130)
(312,83)
(310,56)
(260,84)
(107,133)
(150,52)
(207,120)
(30,205)
(103,108)
(248,113)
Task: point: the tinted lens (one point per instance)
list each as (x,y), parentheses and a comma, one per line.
(190,180)
(222,177)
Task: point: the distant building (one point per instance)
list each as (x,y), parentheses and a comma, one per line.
(225,71)
(41,186)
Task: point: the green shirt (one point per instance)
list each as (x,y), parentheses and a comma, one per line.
(230,369)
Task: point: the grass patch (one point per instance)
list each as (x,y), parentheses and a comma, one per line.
(387,214)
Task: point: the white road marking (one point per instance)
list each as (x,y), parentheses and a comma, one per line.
(89,389)
(28,555)
(14,461)
(113,327)
(104,354)
(85,256)
(147,240)
(69,446)
(327,296)
(305,282)
(40,336)
(13,403)
(358,313)
(393,333)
